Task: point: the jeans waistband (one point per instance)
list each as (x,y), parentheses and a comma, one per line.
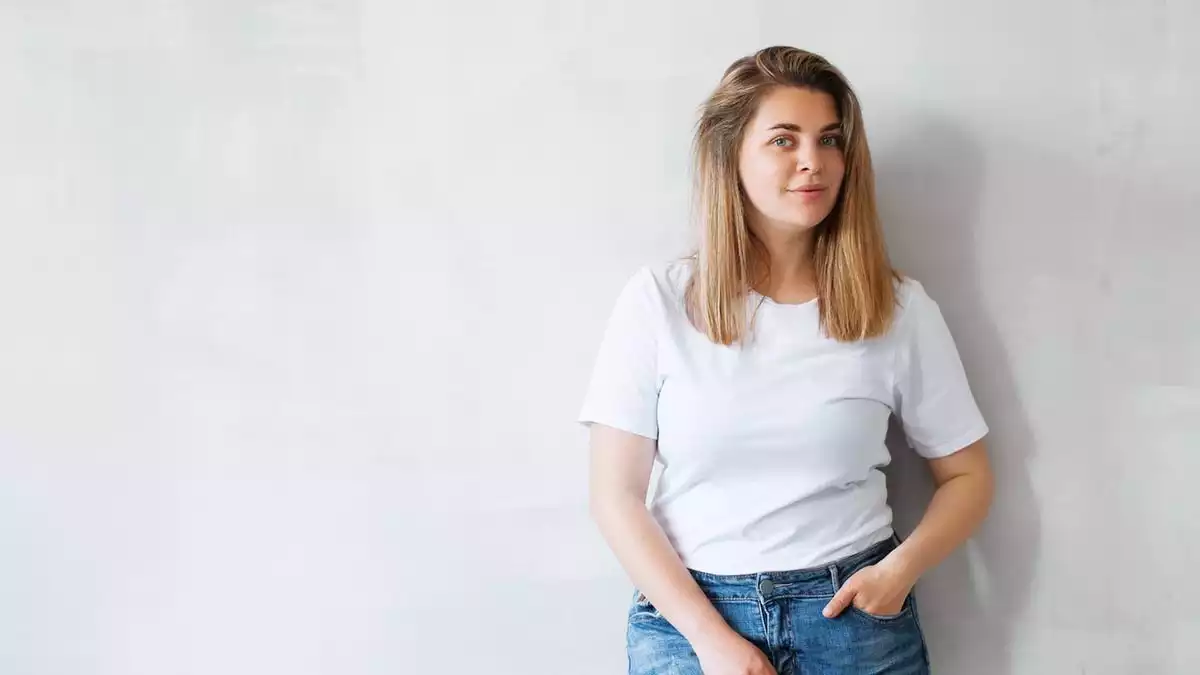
(819,581)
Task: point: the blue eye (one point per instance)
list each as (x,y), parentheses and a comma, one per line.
(782,142)
(831,141)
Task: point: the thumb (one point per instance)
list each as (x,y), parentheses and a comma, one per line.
(841,600)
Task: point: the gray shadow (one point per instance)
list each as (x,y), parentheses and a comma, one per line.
(929,184)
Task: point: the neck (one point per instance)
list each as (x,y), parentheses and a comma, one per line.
(787,275)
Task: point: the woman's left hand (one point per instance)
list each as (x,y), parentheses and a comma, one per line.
(877,589)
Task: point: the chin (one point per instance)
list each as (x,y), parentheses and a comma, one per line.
(803,221)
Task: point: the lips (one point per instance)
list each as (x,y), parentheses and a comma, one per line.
(809,194)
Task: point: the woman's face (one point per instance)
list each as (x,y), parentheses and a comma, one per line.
(792,162)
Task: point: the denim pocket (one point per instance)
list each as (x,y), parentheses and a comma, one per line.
(906,610)
(642,609)
(904,613)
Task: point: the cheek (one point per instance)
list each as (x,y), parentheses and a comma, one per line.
(839,167)
(837,175)
(762,175)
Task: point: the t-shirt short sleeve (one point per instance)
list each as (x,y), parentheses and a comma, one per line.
(933,400)
(623,390)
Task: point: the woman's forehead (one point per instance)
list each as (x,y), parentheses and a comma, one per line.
(806,110)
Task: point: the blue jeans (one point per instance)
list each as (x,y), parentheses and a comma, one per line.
(780,613)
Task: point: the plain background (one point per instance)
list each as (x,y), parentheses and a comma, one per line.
(299,299)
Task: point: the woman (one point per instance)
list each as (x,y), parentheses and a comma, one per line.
(762,372)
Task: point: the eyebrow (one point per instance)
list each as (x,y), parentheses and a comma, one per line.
(788,126)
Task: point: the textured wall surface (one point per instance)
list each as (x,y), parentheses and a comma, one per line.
(299,299)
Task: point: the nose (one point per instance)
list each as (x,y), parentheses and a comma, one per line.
(808,158)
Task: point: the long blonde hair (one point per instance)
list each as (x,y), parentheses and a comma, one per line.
(855,291)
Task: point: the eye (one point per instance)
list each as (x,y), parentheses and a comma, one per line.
(782,142)
(832,140)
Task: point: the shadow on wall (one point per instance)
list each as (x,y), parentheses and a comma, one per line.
(929,189)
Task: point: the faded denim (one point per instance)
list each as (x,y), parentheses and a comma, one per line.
(780,613)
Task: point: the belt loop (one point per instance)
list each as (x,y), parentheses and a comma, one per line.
(833,576)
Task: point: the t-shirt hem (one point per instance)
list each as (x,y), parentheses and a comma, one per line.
(951,447)
(753,566)
(620,425)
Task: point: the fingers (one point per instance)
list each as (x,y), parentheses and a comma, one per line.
(842,599)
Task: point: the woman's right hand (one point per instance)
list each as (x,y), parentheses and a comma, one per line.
(731,654)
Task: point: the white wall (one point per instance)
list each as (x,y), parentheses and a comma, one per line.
(299,298)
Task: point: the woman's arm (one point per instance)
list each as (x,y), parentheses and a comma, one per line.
(621,464)
(963,496)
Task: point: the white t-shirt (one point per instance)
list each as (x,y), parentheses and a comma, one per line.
(771,451)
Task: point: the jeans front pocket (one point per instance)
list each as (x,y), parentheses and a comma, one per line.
(905,612)
(857,641)
(642,609)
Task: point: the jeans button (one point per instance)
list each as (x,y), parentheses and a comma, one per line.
(766,587)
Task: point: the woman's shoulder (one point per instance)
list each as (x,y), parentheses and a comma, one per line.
(913,303)
(672,275)
(664,282)
(909,291)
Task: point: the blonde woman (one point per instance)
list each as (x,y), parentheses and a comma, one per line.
(761,372)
